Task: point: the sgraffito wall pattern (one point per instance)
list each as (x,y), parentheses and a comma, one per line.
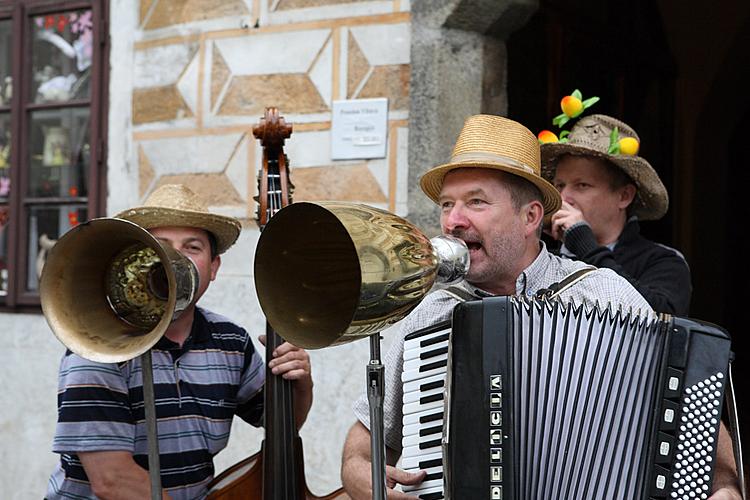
(203,72)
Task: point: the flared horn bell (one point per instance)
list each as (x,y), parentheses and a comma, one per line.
(330,273)
(109,289)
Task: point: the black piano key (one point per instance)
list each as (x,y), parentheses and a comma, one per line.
(432,366)
(434,475)
(429,444)
(433,353)
(432,385)
(431,430)
(432,496)
(437,462)
(431,398)
(431,418)
(434,340)
(443,325)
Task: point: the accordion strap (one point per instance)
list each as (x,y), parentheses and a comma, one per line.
(556,288)
(735,432)
(459,293)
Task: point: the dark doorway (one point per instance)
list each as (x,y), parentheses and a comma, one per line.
(675,73)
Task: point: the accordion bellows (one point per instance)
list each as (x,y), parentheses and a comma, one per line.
(550,400)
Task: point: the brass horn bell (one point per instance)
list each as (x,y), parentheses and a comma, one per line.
(109,289)
(330,273)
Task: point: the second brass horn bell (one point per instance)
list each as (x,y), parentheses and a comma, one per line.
(330,273)
(109,289)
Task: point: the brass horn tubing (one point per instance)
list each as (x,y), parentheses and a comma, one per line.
(73,292)
(329,272)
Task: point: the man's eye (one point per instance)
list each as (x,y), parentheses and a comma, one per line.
(446,205)
(476,201)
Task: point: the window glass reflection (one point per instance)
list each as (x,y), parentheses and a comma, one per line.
(6,59)
(61,56)
(59,153)
(46,225)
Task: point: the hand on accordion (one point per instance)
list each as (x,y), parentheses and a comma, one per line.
(726,494)
(395,476)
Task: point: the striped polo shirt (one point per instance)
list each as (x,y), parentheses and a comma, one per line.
(198,388)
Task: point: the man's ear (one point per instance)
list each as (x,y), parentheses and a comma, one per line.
(627,195)
(533,213)
(215,263)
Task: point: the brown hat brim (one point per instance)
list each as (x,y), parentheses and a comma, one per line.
(226,230)
(432,181)
(651,200)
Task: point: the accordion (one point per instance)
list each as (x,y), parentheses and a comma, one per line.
(524,399)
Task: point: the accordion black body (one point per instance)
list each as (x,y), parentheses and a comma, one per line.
(550,401)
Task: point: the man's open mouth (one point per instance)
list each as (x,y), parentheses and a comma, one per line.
(473,245)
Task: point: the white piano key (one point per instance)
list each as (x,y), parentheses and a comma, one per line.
(424,486)
(416,451)
(426,491)
(408,463)
(418,406)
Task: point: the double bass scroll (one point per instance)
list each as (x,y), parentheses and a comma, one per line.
(277,471)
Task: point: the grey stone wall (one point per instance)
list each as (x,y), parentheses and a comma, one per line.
(458,69)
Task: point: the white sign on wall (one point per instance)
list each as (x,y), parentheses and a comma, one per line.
(359,129)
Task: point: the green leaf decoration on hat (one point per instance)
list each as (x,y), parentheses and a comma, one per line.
(572,106)
(614,142)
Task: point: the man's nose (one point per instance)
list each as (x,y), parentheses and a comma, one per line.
(454,218)
(565,194)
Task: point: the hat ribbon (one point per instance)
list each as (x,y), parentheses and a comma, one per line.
(491,157)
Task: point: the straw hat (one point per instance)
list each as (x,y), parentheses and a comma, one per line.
(488,141)
(590,136)
(177,205)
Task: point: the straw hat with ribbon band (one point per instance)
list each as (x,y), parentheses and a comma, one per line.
(593,136)
(494,142)
(177,205)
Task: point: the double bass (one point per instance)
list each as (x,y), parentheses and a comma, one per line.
(277,471)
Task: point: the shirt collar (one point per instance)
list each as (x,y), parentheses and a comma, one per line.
(532,278)
(199,333)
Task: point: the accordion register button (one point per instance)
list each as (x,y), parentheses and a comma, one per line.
(496,383)
(496,455)
(496,492)
(674,383)
(664,449)
(659,485)
(669,415)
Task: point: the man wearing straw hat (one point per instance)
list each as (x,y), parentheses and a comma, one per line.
(206,370)
(492,196)
(606,189)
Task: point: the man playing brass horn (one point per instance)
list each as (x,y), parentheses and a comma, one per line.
(492,196)
(206,370)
